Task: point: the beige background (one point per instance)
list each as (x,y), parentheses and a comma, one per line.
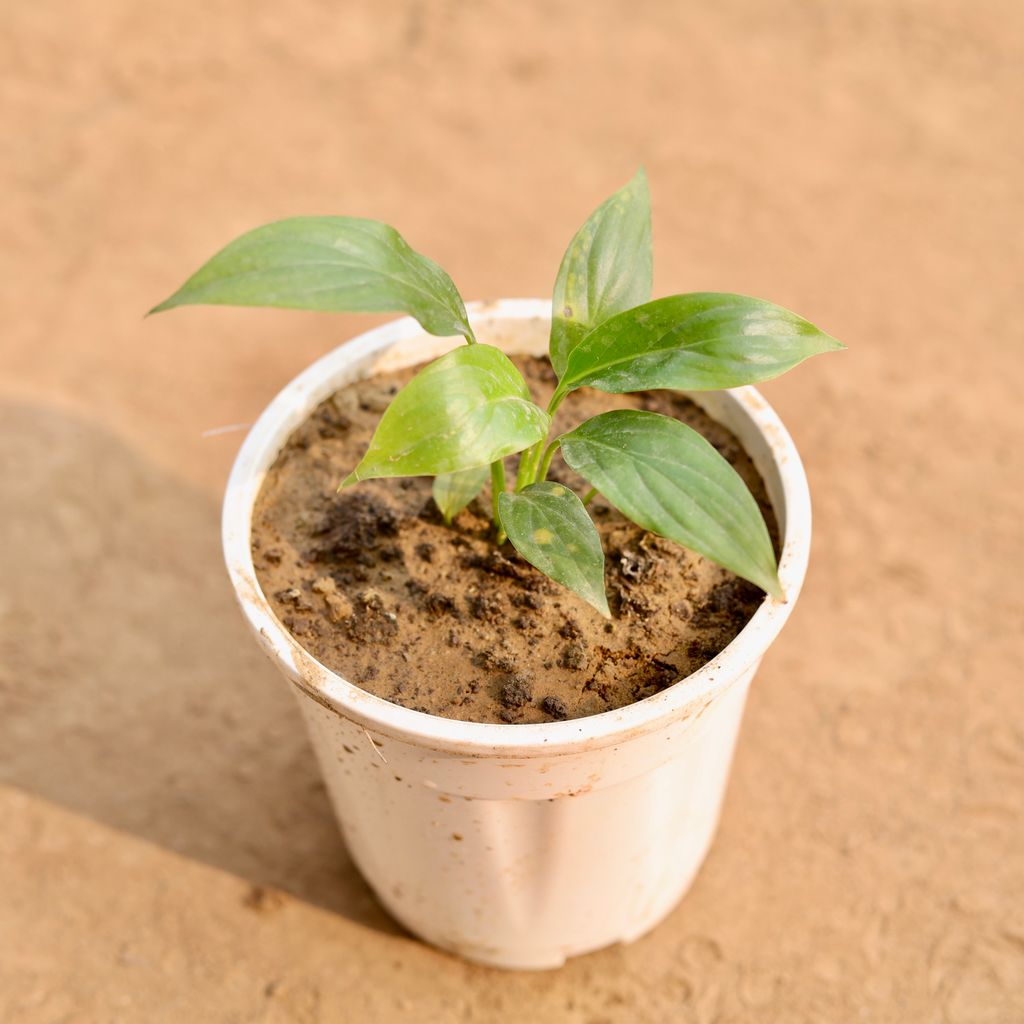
(166,850)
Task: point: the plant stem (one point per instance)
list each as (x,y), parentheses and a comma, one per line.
(469,335)
(523,472)
(528,465)
(497,486)
(537,457)
(589,496)
(545,463)
(535,454)
(556,400)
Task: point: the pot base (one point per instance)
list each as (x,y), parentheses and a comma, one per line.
(530,958)
(523,882)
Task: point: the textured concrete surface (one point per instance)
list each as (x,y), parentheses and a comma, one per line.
(166,852)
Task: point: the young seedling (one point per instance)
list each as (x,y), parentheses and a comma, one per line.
(463,414)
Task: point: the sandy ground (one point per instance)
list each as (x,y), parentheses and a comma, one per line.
(167,852)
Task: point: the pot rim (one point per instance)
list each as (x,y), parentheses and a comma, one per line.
(290,408)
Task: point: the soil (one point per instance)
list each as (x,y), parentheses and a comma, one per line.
(377,587)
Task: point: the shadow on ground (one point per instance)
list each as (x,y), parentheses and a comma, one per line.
(130,689)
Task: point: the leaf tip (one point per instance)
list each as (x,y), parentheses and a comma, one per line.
(160,307)
(446,513)
(825,342)
(349,481)
(599,600)
(773,587)
(640,189)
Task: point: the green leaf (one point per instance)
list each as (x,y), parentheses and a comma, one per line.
(454,491)
(548,525)
(697,342)
(334,264)
(467,409)
(667,478)
(606,269)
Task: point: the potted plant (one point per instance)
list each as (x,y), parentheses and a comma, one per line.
(538,830)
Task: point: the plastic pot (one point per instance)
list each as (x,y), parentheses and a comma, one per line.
(521,845)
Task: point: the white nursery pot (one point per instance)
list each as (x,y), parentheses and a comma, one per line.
(521,845)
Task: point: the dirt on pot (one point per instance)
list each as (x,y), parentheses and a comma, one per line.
(434,617)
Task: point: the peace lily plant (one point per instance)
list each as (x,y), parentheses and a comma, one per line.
(464,413)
